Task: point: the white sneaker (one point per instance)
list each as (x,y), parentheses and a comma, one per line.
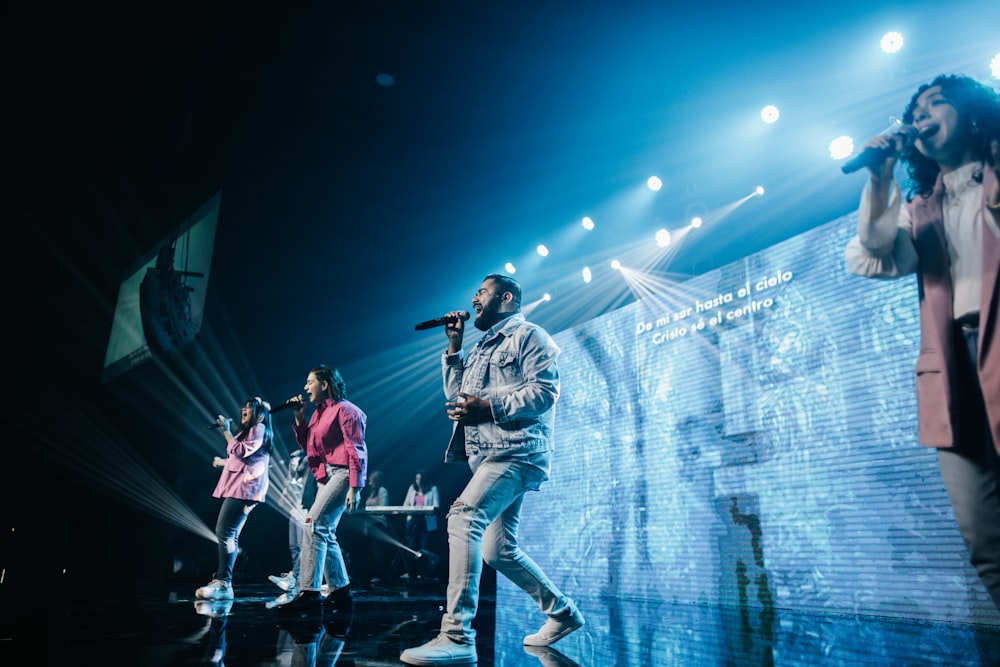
(555,629)
(285,582)
(440,651)
(215,590)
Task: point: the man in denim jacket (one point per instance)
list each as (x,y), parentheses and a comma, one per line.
(501,398)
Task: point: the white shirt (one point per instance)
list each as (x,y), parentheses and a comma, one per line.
(963,223)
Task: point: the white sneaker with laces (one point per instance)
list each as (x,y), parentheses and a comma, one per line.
(555,629)
(440,651)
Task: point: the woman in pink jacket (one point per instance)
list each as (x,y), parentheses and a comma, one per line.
(947,231)
(242,485)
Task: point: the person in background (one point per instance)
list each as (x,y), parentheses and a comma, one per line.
(947,232)
(300,491)
(242,486)
(419,528)
(376,527)
(501,398)
(334,443)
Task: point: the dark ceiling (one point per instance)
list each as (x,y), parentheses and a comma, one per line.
(353,209)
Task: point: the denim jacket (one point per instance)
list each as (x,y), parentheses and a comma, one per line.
(514,368)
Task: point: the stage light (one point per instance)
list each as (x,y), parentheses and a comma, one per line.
(616,265)
(546,297)
(995,66)
(769,114)
(542,250)
(587,276)
(510,268)
(759,191)
(891,42)
(654,183)
(587,223)
(696,221)
(663,238)
(841,147)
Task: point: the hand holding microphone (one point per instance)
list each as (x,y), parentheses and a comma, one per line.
(883,147)
(295,403)
(220,422)
(886,146)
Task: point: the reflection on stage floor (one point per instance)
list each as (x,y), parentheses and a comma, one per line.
(120,627)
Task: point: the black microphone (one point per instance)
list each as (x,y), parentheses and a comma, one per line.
(290,403)
(441,321)
(215,425)
(872,156)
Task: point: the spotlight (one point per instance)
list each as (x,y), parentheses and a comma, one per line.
(841,147)
(510,268)
(546,297)
(587,277)
(995,66)
(587,223)
(542,250)
(696,221)
(891,42)
(663,238)
(769,114)
(616,265)
(759,191)
(654,183)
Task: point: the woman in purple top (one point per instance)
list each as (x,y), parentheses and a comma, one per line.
(242,485)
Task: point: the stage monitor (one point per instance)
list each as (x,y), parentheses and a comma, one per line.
(162,297)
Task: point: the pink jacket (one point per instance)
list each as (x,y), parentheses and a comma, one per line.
(245,474)
(335,435)
(936,372)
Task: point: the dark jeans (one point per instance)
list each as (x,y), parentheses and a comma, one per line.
(232,517)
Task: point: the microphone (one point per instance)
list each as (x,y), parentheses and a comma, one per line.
(290,403)
(872,156)
(215,425)
(441,321)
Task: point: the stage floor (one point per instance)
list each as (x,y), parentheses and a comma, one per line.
(134,628)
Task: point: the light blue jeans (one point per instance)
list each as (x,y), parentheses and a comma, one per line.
(482,525)
(320,550)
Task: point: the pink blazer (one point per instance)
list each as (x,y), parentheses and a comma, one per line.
(936,370)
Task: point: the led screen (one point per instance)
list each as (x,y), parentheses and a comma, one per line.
(745,441)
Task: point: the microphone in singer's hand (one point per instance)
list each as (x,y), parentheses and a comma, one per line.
(441,321)
(293,403)
(871,156)
(217,425)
